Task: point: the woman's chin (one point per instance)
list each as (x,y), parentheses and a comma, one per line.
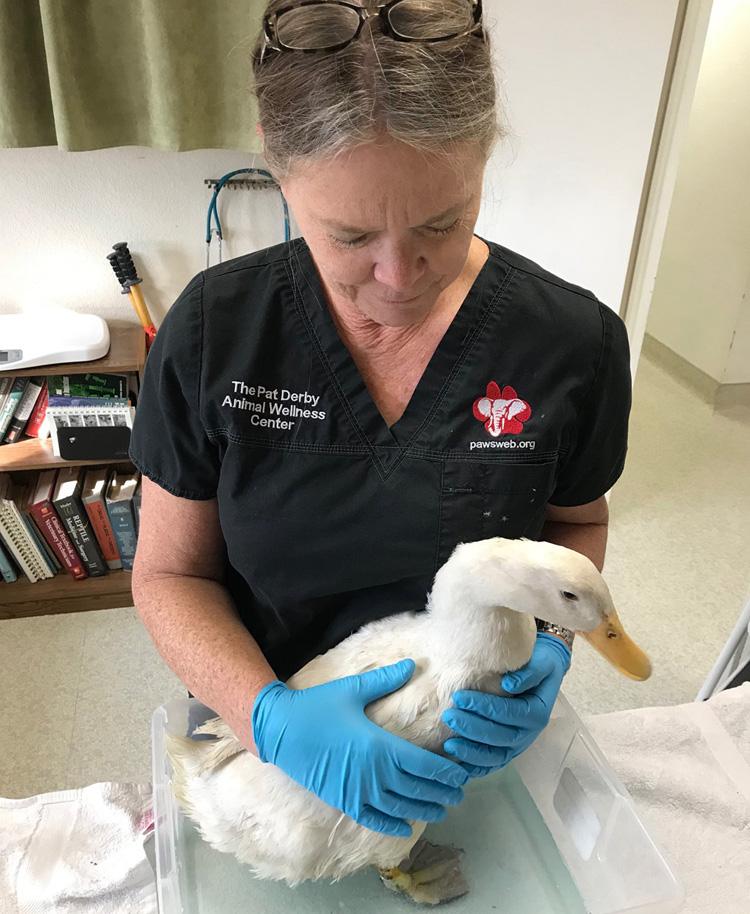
(399,314)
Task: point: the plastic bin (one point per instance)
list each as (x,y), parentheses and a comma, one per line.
(553,833)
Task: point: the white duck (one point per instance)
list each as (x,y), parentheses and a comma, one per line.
(479,624)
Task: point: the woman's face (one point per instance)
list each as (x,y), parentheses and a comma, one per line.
(388,228)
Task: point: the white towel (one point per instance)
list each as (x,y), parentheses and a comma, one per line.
(77,852)
(688,770)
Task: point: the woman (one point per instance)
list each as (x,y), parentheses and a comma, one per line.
(323,421)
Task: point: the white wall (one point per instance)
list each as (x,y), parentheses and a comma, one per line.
(63,211)
(738,361)
(700,302)
(582,80)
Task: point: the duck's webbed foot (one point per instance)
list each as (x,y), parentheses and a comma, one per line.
(430,874)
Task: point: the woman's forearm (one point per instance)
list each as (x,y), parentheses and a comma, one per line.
(588,539)
(196,629)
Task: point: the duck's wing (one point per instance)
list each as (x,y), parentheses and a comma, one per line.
(412,711)
(409,712)
(376,644)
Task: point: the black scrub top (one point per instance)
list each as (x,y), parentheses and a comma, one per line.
(333,519)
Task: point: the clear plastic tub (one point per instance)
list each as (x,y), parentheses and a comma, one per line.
(553,833)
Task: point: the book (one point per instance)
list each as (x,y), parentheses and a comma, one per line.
(88,385)
(37,426)
(22,491)
(16,536)
(53,563)
(137,505)
(93,496)
(5,385)
(23,410)
(119,498)
(12,400)
(11,538)
(7,570)
(67,502)
(51,527)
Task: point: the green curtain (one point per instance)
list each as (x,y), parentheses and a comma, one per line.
(88,74)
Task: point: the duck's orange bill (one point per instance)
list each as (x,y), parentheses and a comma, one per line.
(613,643)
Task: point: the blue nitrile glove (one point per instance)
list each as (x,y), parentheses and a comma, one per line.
(322,738)
(493,730)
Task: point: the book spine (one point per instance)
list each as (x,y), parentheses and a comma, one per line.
(7,570)
(48,561)
(52,558)
(137,510)
(124,526)
(78,526)
(23,410)
(11,402)
(51,528)
(5,386)
(16,542)
(105,535)
(34,425)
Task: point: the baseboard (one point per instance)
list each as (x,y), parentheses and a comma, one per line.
(730,395)
(720,396)
(698,381)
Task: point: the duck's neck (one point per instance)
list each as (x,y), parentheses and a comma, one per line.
(471,647)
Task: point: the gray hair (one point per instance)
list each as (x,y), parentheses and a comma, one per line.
(430,96)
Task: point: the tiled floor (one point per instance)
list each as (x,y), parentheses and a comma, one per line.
(78,690)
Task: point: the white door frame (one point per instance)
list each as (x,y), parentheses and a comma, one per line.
(681,78)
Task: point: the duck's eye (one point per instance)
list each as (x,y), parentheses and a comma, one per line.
(568,595)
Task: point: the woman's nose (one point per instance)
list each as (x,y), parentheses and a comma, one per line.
(400,267)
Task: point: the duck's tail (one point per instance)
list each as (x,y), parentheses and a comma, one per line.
(192,758)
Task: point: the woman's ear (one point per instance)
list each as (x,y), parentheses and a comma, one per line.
(259,130)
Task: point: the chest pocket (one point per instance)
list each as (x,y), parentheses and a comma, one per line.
(480,500)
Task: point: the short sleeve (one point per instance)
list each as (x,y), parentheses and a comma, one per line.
(599,443)
(168,443)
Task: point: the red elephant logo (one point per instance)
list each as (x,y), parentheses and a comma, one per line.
(503,412)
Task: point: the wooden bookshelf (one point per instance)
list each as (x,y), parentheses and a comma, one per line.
(127,353)
(62,594)
(32,454)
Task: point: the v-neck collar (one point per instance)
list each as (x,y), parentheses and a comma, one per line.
(387,442)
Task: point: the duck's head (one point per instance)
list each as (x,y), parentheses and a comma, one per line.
(545,580)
